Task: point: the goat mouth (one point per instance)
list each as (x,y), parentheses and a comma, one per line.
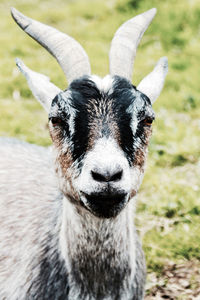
(105,205)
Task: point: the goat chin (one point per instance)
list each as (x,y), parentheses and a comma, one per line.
(104,205)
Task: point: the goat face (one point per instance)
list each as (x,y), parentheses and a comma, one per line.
(100,129)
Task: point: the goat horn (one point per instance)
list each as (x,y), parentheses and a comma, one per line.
(68,52)
(125,41)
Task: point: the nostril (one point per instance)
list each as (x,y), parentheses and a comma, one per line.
(98,177)
(107,177)
(117,176)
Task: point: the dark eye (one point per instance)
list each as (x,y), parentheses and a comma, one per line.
(147,121)
(56,121)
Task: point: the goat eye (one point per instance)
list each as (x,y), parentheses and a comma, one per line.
(56,121)
(147,122)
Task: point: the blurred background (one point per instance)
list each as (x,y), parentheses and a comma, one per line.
(168,209)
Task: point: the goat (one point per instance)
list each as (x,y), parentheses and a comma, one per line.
(67,231)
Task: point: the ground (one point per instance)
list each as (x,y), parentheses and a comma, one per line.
(177,281)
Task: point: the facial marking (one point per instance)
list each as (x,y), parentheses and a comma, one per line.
(105,85)
(116,110)
(98,117)
(102,121)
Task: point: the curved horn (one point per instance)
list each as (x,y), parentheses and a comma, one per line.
(153,83)
(125,42)
(68,52)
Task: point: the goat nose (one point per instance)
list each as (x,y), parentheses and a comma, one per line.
(106,176)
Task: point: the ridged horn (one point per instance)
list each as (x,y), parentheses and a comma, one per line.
(125,41)
(69,53)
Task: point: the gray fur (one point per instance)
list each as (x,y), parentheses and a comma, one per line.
(99,263)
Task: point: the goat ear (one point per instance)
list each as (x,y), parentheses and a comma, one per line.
(40,85)
(153,83)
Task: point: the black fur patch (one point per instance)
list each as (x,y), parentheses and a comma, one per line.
(87,101)
(82,90)
(52,282)
(126,95)
(62,112)
(103,279)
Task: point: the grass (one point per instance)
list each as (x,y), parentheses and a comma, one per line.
(169,199)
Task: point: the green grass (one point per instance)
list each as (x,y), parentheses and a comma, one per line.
(169,199)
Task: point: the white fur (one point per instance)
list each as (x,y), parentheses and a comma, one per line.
(104,84)
(106,155)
